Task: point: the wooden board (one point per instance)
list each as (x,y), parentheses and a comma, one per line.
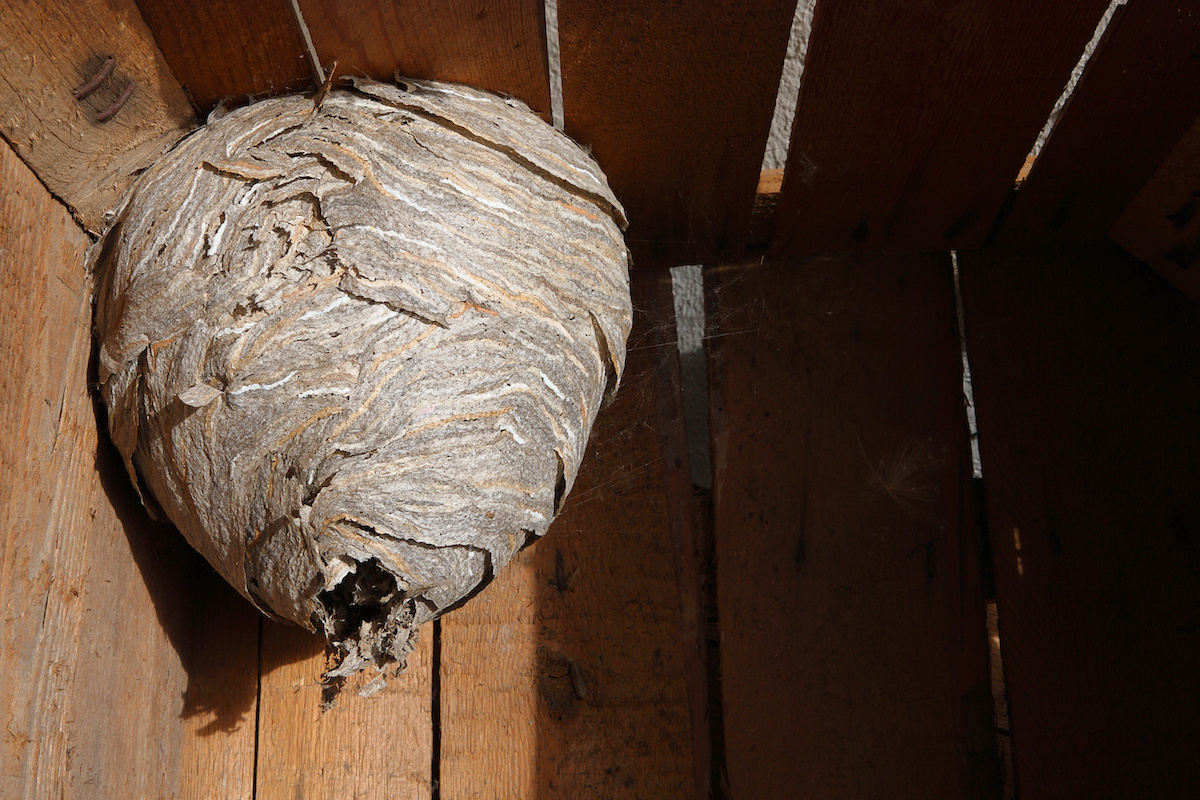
(229,48)
(47,51)
(1137,97)
(914,119)
(853,629)
(490,45)
(90,627)
(1087,383)
(372,748)
(676,105)
(517,719)
(220,705)
(1160,226)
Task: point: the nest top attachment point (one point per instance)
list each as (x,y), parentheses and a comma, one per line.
(355,352)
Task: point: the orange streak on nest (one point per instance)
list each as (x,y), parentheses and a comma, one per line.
(579,210)
(317,417)
(456,417)
(467,306)
(379,359)
(370,399)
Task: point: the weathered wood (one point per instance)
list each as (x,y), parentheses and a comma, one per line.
(677,108)
(88,587)
(914,119)
(47,51)
(567,676)
(499,46)
(1137,97)
(219,718)
(853,645)
(229,48)
(373,748)
(1160,226)
(1087,381)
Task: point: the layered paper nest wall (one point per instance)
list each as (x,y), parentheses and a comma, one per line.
(354,353)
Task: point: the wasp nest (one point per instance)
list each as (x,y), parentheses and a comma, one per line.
(354,353)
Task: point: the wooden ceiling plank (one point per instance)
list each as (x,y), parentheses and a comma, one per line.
(498,46)
(1086,370)
(914,119)
(676,100)
(1136,99)
(229,48)
(51,49)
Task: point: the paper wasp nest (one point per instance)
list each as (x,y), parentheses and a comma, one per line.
(354,354)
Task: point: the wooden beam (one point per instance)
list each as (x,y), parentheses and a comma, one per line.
(91,617)
(677,108)
(914,119)
(569,675)
(47,51)
(498,46)
(1087,384)
(854,658)
(1137,97)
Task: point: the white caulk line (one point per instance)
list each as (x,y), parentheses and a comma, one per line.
(968,391)
(546,380)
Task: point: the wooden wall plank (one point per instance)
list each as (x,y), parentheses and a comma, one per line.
(491,45)
(914,119)
(372,748)
(229,48)
(219,718)
(47,51)
(1160,225)
(1087,384)
(1137,97)
(89,639)
(676,99)
(518,720)
(853,628)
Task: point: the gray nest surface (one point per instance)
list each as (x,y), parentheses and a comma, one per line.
(354,353)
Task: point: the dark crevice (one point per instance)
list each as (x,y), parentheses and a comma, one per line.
(257,713)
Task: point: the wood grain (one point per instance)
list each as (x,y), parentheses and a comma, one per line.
(49,50)
(499,46)
(1087,380)
(1137,97)
(373,748)
(89,607)
(914,118)
(229,48)
(677,107)
(518,720)
(1160,225)
(853,648)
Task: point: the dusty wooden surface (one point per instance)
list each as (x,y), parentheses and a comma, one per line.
(499,46)
(579,689)
(677,106)
(914,119)
(1137,97)
(1087,375)
(1160,225)
(47,51)
(86,649)
(228,48)
(854,661)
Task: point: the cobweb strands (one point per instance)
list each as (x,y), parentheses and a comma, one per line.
(354,352)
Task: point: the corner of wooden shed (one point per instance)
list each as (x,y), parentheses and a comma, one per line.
(904,504)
